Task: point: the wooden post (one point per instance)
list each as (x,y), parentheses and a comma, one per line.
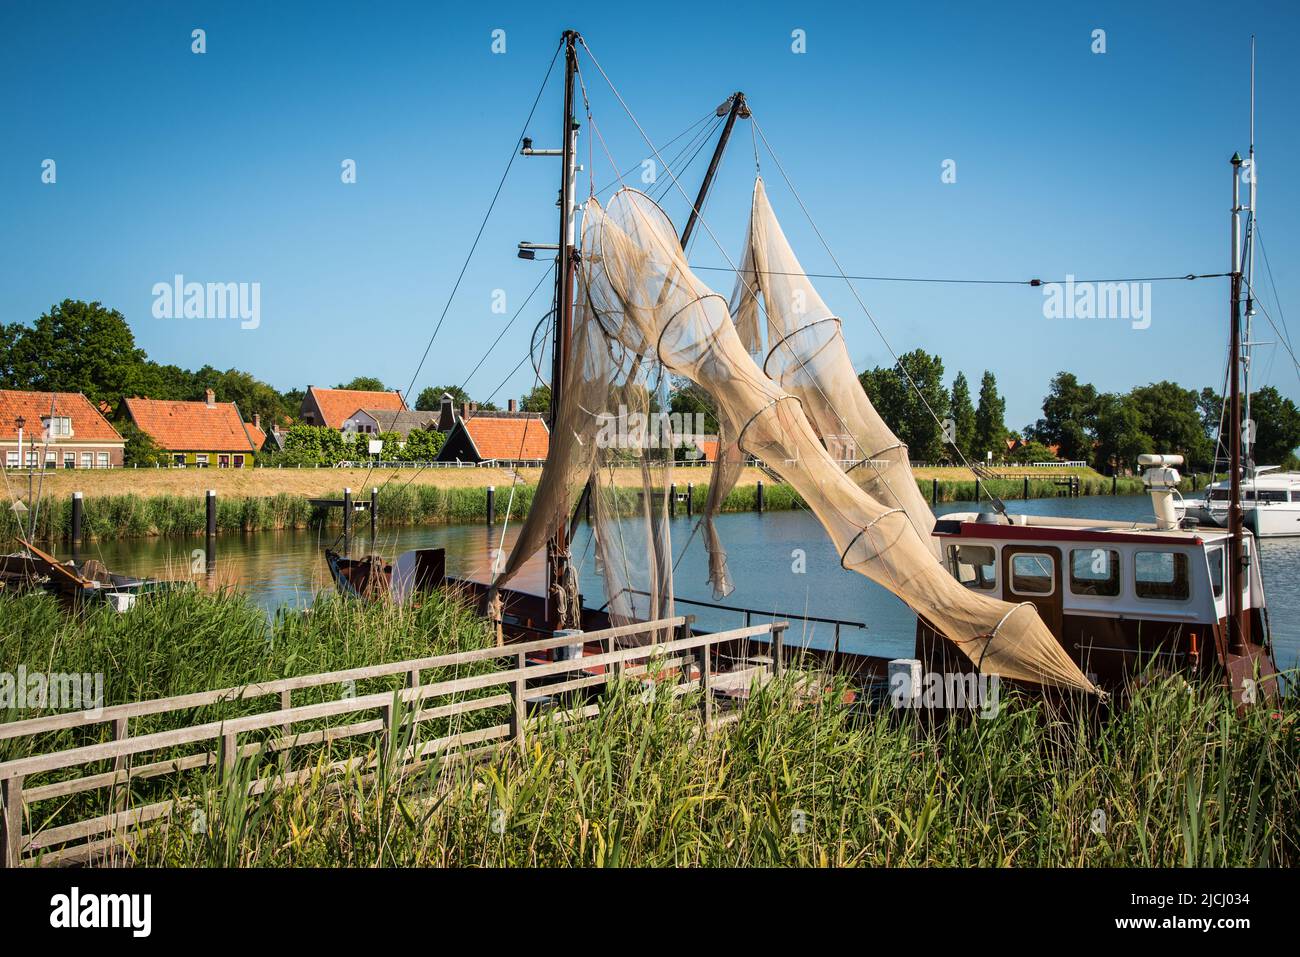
(1114,483)
(672,499)
(76,522)
(374,518)
(120,790)
(491,505)
(977,489)
(286,729)
(347,521)
(690,498)
(778,646)
(1026,495)
(706,666)
(226,755)
(518,709)
(758,499)
(934,491)
(11,821)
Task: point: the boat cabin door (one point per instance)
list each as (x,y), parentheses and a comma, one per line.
(1032,573)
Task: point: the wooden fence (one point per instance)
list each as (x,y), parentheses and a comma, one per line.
(688,659)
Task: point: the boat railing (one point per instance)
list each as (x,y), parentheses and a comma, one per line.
(386,726)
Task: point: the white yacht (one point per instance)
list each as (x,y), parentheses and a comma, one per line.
(1270,501)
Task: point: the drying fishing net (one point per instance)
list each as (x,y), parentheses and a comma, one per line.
(644,296)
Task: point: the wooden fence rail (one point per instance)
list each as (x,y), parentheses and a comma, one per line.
(520,684)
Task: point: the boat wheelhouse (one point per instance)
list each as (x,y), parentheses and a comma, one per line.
(1117,595)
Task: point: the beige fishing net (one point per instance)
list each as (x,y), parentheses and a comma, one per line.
(644,295)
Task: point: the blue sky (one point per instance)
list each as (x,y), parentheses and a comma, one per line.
(225,167)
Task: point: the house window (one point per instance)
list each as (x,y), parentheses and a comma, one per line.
(69,460)
(58,427)
(223,461)
(178,458)
(975,566)
(201,460)
(1161,575)
(50,460)
(239,461)
(1094,572)
(31,458)
(87,460)
(1215,556)
(1032,575)
(101,459)
(11,460)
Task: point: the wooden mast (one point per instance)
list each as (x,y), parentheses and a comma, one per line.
(562,601)
(735,106)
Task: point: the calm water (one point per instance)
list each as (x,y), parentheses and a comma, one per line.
(287,568)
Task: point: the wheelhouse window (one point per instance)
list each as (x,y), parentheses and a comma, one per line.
(975,566)
(1161,575)
(1094,572)
(1032,574)
(1215,556)
(1273,495)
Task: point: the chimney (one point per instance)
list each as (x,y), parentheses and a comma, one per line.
(473,406)
(464,410)
(512,406)
(446,413)
(257,420)
(212,399)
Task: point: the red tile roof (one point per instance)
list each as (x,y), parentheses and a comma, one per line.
(87,423)
(194,426)
(709,446)
(509,436)
(338,405)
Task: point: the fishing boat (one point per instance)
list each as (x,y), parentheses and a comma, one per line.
(77,582)
(1074,607)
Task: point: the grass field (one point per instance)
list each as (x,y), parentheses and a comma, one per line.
(1177,778)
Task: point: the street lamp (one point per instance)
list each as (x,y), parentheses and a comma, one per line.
(20,422)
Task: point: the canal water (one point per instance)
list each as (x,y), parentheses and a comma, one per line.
(782,563)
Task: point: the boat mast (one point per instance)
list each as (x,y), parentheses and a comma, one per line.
(1236,617)
(733,107)
(1248,440)
(562,601)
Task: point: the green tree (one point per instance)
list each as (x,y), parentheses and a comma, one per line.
(1069,417)
(690,398)
(1277,427)
(74,347)
(140,448)
(423,445)
(962,412)
(537,400)
(1171,416)
(363,383)
(902,400)
(990,420)
(1120,432)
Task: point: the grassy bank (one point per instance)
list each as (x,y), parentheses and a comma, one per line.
(1178,777)
(132,515)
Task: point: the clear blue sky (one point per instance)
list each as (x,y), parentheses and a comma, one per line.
(225,167)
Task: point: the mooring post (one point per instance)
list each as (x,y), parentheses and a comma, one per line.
(1026,495)
(212,513)
(672,499)
(374,518)
(76,525)
(1114,483)
(690,499)
(758,499)
(977,489)
(347,521)
(491,505)
(934,491)
(778,645)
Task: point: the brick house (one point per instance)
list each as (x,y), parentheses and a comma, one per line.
(333,407)
(60,430)
(199,434)
(375,421)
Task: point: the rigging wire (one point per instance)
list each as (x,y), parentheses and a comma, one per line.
(977,282)
(501,334)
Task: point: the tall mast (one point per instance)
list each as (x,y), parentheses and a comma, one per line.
(1236,617)
(735,106)
(561,587)
(1248,440)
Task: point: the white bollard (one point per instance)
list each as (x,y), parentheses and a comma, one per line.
(905,682)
